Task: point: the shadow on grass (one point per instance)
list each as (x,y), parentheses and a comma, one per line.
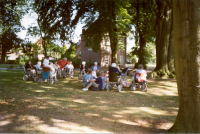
(38,108)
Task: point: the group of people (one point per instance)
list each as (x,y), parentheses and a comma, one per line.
(91,77)
(60,68)
(97,82)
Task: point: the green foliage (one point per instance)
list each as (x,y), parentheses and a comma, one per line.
(11,13)
(150,52)
(71,52)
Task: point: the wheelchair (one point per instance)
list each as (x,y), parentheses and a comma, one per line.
(38,75)
(47,77)
(114,80)
(27,76)
(141,85)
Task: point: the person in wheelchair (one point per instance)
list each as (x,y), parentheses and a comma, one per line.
(124,70)
(139,77)
(95,68)
(69,69)
(38,67)
(114,68)
(114,77)
(57,68)
(30,71)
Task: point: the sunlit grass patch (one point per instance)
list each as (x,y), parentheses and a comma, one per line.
(27,106)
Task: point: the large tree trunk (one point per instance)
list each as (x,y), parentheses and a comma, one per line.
(141,52)
(186,16)
(164,38)
(3,54)
(113,31)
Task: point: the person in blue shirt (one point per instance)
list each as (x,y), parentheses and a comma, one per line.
(97,83)
(95,67)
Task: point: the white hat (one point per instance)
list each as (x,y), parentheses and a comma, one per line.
(113,65)
(39,62)
(95,63)
(65,58)
(83,62)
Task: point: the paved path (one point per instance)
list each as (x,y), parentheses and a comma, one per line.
(11,69)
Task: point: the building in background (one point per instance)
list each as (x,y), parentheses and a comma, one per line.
(103,57)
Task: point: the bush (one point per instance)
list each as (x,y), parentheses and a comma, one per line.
(10,62)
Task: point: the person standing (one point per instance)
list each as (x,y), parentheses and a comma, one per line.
(62,64)
(46,61)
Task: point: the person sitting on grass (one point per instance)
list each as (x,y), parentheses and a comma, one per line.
(88,77)
(96,84)
(104,80)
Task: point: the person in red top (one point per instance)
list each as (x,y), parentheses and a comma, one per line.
(62,64)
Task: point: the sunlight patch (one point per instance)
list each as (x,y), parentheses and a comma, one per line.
(4,123)
(80,101)
(39,91)
(128,122)
(92,114)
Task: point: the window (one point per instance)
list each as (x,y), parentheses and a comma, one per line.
(121,60)
(106,60)
(121,40)
(89,49)
(106,43)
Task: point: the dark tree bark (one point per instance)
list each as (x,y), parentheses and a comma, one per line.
(113,31)
(164,38)
(186,16)
(141,52)
(3,54)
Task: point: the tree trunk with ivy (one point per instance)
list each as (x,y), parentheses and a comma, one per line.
(164,40)
(186,16)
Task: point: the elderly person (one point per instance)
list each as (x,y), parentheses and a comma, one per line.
(139,76)
(69,69)
(38,67)
(29,69)
(62,64)
(114,69)
(46,61)
(95,67)
(124,71)
(83,68)
(57,68)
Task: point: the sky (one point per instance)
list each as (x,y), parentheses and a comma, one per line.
(30,20)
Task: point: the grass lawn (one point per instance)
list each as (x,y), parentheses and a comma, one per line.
(30,107)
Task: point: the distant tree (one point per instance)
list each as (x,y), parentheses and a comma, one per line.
(143,19)
(104,18)
(164,39)
(54,20)
(11,13)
